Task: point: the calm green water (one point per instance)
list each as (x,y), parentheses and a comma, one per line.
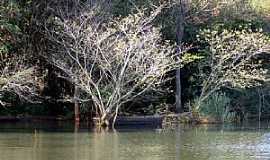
(61,142)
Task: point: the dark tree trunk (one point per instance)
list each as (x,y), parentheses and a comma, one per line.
(76,106)
(179,36)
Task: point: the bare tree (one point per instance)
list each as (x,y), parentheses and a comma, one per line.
(200,11)
(233,61)
(111,63)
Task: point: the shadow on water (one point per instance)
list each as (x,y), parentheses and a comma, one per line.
(61,126)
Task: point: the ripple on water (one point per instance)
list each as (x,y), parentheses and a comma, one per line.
(256,150)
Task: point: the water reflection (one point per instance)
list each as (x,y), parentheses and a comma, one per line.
(182,143)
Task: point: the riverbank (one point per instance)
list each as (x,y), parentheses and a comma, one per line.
(155,120)
(158,121)
(33,118)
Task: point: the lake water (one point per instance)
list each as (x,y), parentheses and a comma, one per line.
(63,142)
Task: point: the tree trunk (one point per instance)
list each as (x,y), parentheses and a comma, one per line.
(76,106)
(178,91)
(179,37)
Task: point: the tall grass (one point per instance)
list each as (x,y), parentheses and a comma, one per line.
(215,106)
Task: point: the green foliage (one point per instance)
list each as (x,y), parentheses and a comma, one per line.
(123,8)
(14,19)
(11,28)
(238,24)
(190,57)
(253,101)
(10,17)
(3,49)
